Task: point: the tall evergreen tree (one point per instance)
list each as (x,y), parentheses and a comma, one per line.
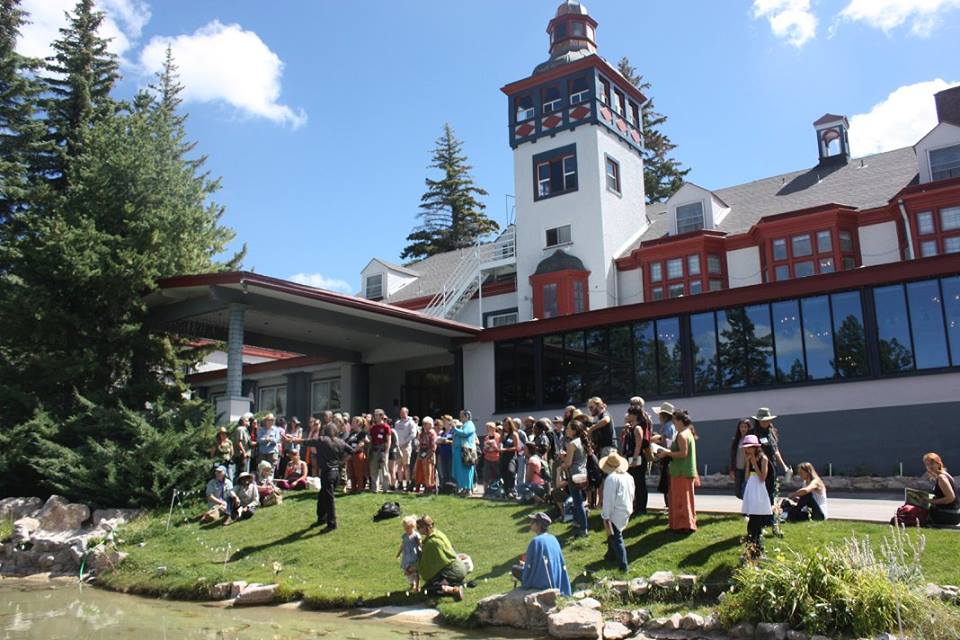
(21,132)
(451,216)
(79,78)
(662,174)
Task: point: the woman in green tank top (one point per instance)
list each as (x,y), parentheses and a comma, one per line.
(683,475)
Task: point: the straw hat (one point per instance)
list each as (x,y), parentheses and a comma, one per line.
(763,413)
(666,407)
(246,475)
(613,463)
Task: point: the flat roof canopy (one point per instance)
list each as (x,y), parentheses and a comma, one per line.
(284,315)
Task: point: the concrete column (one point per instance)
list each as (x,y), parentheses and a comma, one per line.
(234,404)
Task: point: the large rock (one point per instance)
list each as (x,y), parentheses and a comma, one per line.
(741,630)
(110,519)
(771,631)
(575,622)
(633,619)
(520,609)
(663,580)
(691,622)
(16,508)
(103,559)
(638,587)
(58,514)
(615,631)
(257,594)
(23,530)
(590,603)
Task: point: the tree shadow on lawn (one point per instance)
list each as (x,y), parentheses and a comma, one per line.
(307,532)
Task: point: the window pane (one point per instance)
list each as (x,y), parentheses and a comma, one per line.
(644,358)
(578,298)
(554,387)
(826,265)
(551,237)
(550,300)
(621,362)
(693,265)
(526,393)
(892,329)
(703,332)
(596,381)
(846,242)
(690,217)
(657,293)
(926,324)
(713,264)
(950,219)
(789,340)
(945,163)
(782,273)
(733,366)
(818,337)
(925,223)
(696,286)
(656,272)
(574,365)
(928,248)
(801,246)
(780,249)
(824,242)
(758,336)
(951,304)
(716,285)
(951,245)
(849,335)
(675,290)
(803,269)
(505,376)
(849,263)
(674,269)
(670,355)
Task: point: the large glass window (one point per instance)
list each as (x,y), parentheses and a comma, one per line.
(550,300)
(703,330)
(669,355)
(621,362)
(690,217)
(574,365)
(596,382)
(945,163)
(730,332)
(893,329)
(758,335)
(526,387)
(926,324)
(552,365)
(789,341)
(515,386)
(644,358)
(951,304)
(746,346)
(849,335)
(817,337)
(324,396)
(273,400)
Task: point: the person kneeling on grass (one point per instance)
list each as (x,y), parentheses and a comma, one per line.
(295,475)
(220,497)
(542,566)
(247,495)
(809,502)
(442,573)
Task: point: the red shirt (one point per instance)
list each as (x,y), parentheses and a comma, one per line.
(379,434)
(491,448)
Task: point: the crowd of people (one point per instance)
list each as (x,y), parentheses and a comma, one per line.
(570,464)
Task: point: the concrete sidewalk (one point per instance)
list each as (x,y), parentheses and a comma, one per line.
(865,509)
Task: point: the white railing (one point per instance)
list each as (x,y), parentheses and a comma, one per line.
(465,279)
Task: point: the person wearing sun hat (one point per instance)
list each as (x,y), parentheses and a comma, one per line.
(769,438)
(618,492)
(543,566)
(756,501)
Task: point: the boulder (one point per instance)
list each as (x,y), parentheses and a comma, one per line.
(711,624)
(667,624)
(797,635)
(633,619)
(771,631)
(590,603)
(619,587)
(23,530)
(663,580)
(221,591)
(691,622)
(16,508)
(237,587)
(933,591)
(58,514)
(520,609)
(257,594)
(687,580)
(741,630)
(103,559)
(638,587)
(110,519)
(583,593)
(615,631)
(575,622)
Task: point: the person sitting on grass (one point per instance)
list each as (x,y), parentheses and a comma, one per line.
(809,502)
(295,475)
(945,505)
(542,566)
(266,485)
(534,489)
(220,497)
(247,495)
(409,552)
(442,573)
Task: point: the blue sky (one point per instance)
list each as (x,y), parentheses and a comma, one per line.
(320,116)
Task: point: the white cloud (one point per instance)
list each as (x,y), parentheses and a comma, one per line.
(123,24)
(791,20)
(226,63)
(923,15)
(905,116)
(321,281)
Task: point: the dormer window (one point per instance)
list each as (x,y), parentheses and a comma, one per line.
(524,108)
(579,90)
(945,163)
(689,217)
(373,287)
(551,99)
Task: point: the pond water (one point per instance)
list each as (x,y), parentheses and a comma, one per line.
(52,611)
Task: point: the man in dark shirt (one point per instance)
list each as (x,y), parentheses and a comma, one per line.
(330,453)
(601,429)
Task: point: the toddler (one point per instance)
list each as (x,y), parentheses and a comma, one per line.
(409,552)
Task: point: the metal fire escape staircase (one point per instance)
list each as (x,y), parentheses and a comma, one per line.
(465,280)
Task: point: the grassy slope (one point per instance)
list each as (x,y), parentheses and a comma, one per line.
(357,561)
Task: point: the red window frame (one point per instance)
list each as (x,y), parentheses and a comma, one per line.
(567,283)
(700,246)
(842,260)
(938,235)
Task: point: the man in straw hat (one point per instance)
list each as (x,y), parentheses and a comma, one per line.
(769,438)
(618,492)
(664,437)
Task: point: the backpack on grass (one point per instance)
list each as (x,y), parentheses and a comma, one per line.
(910,515)
(387,510)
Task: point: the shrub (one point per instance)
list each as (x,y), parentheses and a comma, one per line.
(854,588)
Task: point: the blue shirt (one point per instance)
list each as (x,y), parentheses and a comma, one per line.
(268,439)
(544,567)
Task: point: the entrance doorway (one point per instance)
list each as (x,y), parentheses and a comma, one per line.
(430,392)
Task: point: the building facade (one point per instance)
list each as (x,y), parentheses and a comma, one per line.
(830,294)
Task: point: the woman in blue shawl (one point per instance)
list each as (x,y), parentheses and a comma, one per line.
(464,438)
(543,566)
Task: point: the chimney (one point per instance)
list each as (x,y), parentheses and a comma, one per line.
(948,105)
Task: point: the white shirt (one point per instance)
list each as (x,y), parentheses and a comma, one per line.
(406,431)
(618,490)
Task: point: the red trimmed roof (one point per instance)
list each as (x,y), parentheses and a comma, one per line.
(248,350)
(261,367)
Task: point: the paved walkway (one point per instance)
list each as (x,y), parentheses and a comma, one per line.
(864,509)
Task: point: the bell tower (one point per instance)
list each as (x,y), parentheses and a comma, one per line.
(575,128)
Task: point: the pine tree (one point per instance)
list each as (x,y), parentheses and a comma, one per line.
(79,78)
(21,133)
(662,174)
(451,215)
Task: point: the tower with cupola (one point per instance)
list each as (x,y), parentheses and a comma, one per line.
(576,133)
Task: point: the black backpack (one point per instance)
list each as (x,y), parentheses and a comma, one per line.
(387,510)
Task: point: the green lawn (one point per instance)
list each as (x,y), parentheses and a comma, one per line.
(356,562)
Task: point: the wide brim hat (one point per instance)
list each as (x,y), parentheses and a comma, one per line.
(763,413)
(666,407)
(613,462)
(246,475)
(222,430)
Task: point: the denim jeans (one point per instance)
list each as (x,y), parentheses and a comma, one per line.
(616,548)
(579,515)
